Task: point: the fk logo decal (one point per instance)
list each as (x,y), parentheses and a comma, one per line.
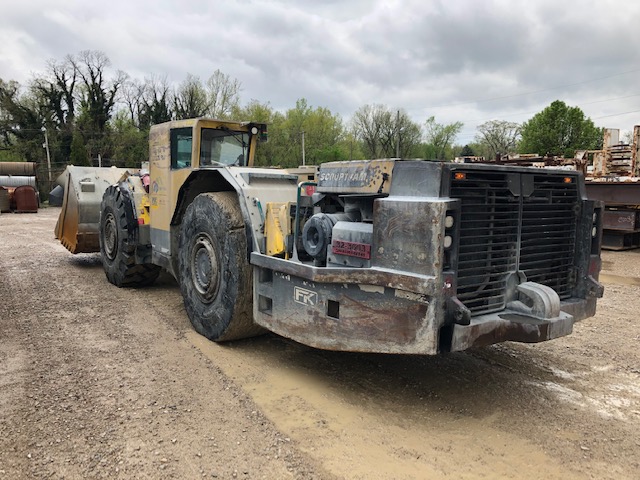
(305,297)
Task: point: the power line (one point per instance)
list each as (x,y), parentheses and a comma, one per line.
(616,114)
(537,111)
(471,134)
(482,100)
(594,118)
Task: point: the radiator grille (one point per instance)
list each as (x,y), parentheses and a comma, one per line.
(549,222)
(502,233)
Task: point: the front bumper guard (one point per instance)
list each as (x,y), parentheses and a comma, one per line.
(535,316)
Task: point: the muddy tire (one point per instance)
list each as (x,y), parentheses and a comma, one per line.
(215,275)
(118,238)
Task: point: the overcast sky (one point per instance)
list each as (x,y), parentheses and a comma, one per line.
(468,61)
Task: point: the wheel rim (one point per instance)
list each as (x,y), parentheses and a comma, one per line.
(204,268)
(110,236)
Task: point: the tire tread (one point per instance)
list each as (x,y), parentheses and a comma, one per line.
(217,322)
(123,271)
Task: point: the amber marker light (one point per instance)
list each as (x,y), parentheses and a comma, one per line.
(567,180)
(459,175)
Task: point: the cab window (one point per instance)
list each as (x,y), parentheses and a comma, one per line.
(181,143)
(223,147)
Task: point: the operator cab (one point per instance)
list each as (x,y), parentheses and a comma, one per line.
(210,143)
(178,149)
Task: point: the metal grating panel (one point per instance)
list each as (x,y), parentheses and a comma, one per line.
(548,239)
(502,233)
(488,239)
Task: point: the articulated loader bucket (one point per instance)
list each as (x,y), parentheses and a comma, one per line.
(78,223)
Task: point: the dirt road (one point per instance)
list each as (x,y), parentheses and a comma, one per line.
(100,382)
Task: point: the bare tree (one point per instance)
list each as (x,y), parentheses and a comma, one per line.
(55,92)
(368,124)
(499,136)
(57,89)
(132,94)
(383,132)
(190,99)
(223,93)
(156,102)
(400,135)
(98,94)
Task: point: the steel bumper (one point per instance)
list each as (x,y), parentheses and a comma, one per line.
(509,326)
(376,310)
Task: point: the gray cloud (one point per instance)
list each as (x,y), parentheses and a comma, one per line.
(430,58)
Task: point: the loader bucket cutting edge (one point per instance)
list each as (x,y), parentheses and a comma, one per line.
(78,224)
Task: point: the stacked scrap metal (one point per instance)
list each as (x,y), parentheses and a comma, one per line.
(615,181)
(618,156)
(635,143)
(616,159)
(619,161)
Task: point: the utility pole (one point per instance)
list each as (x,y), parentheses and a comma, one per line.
(45,145)
(398,134)
(303,157)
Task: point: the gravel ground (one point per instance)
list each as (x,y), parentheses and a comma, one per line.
(101,382)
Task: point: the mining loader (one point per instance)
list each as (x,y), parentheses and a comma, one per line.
(386,255)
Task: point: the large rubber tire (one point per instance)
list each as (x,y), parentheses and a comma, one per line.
(118,244)
(215,276)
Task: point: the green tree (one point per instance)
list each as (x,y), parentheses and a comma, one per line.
(73,99)
(352,146)
(559,129)
(79,155)
(323,135)
(440,138)
(255,111)
(130,145)
(467,151)
(21,120)
(405,136)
